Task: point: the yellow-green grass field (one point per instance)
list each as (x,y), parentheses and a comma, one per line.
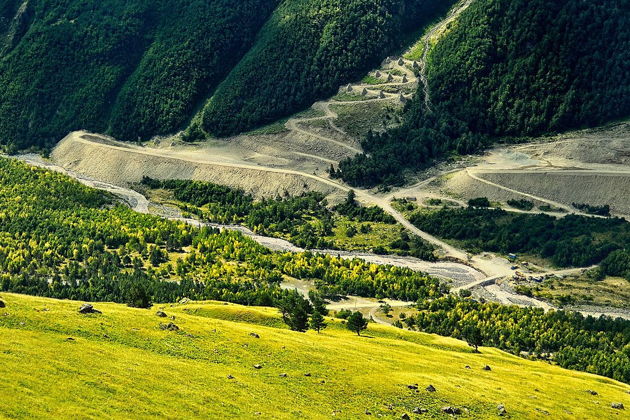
(57,363)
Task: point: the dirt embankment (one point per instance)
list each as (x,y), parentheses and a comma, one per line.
(118,163)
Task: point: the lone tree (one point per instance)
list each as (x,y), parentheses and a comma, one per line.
(386,308)
(357,323)
(295,310)
(317,321)
(472,335)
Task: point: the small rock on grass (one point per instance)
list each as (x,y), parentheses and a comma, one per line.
(617,406)
(2,304)
(253,334)
(431,388)
(169,327)
(160,314)
(86,308)
(257,366)
(486,367)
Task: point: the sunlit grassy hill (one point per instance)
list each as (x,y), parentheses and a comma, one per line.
(55,362)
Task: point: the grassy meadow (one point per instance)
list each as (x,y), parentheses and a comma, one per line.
(55,362)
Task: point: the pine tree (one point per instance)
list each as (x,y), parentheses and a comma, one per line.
(317,322)
(357,323)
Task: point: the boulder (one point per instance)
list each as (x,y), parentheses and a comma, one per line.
(169,327)
(501,411)
(283,375)
(253,334)
(590,391)
(419,410)
(257,366)
(368,413)
(307,374)
(86,308)
(184,301)
(405,416)
(486,367)
(451,410)
(230,377)
(617,406)
(430,388)
(466,367)
(381,95)
(161,314)
(364,92)
(2,304)
(413,386)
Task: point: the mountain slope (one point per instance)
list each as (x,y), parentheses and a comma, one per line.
(306,50)
(139,68)
(56,362)
(510,68)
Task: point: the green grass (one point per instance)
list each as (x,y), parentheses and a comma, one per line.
(121,365)
(357,119)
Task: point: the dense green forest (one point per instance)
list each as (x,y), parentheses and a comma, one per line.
(305,220)
(567,241)
(306,51)
(508,68)
(61,239)
(129,68)
(134,69)
(600,346)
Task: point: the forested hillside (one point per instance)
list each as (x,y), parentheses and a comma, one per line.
(131,68)
(306,50)
(509,68)
(135,69)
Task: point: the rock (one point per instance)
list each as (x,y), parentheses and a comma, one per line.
(381,95)
(257,366)
(169,327)
(378,74)
(451,410)
(431,388)
(254,335)
(364,92)
(160,314)
(368,413)
(172,317)
(401,62)
(2,304)
(349,88)
(70,339)
(230,377)
(414,386)
(184,301)
(419,410)
(307,374)
(390,78)
(486,367)
(405,416)
(86,308)
(415,65)
(590,391)
(404,80)
(617,406)
(283,375)
(501,411)
(466,367)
